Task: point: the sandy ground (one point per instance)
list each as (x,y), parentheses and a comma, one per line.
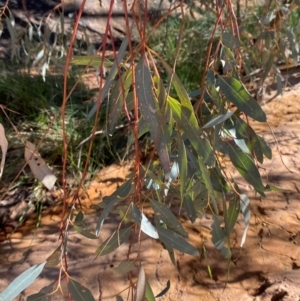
(266,268)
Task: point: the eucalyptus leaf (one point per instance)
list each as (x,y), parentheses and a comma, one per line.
(113,242)
(125,266)
(149,293)
(166,215)
(244,205)
(140,286)
(218,119)
(177,242)
(152,115)
(79,292)
(218,237)
(235,92)
(84,232)
(143,222)
(246,167)
(232,214)
(22,282)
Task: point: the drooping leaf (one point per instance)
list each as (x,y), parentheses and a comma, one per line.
(143,222)
(117,97)
(265,148)
(183,164)
(90,60)
(125,266)
(189,207)
(45,294)
(79,218)
(152,115)
(84,232)
(246,167)
(182,117)
(21,282)
(208,184)
(54,259)
(165,290)
(177,242)
(166,215)
(217,120)
(112,73)
(232,214)
(181,92)
(140,286)
(218,237)
(113,242)
(230,41)
(244,205)
(235,92)
(227,59)
(111,201)
(149,293)
(79,292)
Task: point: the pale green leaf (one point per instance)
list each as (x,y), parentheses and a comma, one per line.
(140,286)
(21,282)
(84,232)
(149,292)
(143,222)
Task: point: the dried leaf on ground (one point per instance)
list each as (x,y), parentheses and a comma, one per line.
(38,166)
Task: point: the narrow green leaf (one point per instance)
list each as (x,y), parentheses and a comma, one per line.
(166,215)
(218,236)
(181,92)
(276,188)
(90,60)
(140,286)
(182,118)
(246,167)
(116,100)
(111,201)
(165,290)
(21,282)
(189,207)
(152,115)
(183,164)
(113,242)
(84,232)
(208,184)
(218,119)
(111,76)
(54,259)
(265,148)
(125,267)
(232,214)
(143,222)
(45,294)
(177,242)
(235,92)
(79,292)
(149,292)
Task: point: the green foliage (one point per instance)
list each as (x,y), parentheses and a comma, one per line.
(188,134)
